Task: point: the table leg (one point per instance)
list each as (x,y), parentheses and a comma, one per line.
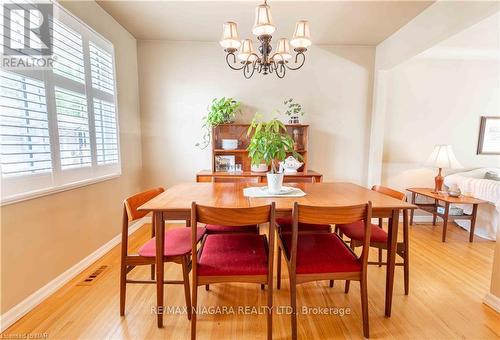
(434,216)
(413,200)
(445,220)
(391,260)
(159,225)
(473,222)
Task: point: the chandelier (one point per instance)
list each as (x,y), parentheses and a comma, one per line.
(249,61)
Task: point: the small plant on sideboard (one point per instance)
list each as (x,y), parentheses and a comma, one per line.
(221,111)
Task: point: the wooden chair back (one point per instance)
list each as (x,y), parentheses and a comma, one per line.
(132,203)
(332,215)
(389,192)
(235,179)
(234,217)
(298,179)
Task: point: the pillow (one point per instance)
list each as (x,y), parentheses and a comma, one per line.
(494,176)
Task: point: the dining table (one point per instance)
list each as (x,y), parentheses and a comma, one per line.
(174,204)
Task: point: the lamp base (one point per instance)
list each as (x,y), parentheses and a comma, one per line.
(438,182)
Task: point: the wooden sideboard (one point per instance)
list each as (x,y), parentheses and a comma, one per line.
(207,175)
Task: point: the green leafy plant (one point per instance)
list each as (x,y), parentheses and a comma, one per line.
(221,111)
(293,109)
(270,143)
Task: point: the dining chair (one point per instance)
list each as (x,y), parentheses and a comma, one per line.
(177,248)
(379,237)
(218,229)
(233,257)
(325,256)
(284,224)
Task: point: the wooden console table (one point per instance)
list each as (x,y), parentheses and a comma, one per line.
(207,175)
(447,200)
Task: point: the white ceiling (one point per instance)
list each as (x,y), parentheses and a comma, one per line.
(332,22)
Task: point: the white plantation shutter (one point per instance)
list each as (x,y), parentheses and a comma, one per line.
(105,130)
(24,126)
(59,127)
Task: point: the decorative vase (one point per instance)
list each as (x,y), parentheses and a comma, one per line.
(274,182)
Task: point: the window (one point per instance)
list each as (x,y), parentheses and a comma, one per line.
(59,127)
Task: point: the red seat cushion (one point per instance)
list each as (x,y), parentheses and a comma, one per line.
(233,254)
(322,253)
(356,231)
(218,229)
(285,224)
(177,242)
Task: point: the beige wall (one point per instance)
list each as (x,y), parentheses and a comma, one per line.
(179,79)
(43,237)
(437,101)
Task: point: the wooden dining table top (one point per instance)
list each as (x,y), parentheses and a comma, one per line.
(179,197)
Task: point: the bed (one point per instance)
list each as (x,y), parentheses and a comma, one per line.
(473,183)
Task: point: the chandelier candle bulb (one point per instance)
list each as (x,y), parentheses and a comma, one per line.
(283,50)
(230,39)
(247,52)
(263,21)
(302,36)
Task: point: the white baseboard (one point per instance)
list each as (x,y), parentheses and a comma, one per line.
(492,301)
(422,218)
(18,311)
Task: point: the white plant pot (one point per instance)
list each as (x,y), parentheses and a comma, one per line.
(274,183)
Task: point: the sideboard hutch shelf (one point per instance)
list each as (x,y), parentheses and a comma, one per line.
(298,132)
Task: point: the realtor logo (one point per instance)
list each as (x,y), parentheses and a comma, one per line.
(27,29)
(27,35)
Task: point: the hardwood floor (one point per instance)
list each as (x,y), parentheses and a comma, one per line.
(447,284)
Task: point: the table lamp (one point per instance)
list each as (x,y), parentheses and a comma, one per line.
(442,157)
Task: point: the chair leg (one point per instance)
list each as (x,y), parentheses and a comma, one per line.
(270,312)
(123,286)
(194,307)
(262,286)
(364,307)
(293,304)
(207,287)
(331,283)
(380,257)
(187,294)
(153,272)
(278,269)
(406,259)
(347,285)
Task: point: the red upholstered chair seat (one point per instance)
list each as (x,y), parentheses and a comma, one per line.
(219,229)
(356,231)
(285,224)
(177,242)
(322,253)
(233,254)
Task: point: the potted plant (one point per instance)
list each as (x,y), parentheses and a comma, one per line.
(221,111)
(270,144)
(293,110)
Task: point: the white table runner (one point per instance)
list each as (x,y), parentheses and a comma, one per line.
(258,192)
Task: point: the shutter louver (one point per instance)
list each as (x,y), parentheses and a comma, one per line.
(102,69)
(68,50)
(105,129)
(73,126)
(24,126)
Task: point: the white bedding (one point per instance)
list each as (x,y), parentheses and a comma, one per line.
(472,183)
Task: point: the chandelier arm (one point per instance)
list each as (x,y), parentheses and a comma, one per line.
(281,70)
(249,71)
(296,59)
(234,62)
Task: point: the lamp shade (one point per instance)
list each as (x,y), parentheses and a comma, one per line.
(443,157)
(282,50)
(230,37)
(263,21)
(247,53)
(302,35)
